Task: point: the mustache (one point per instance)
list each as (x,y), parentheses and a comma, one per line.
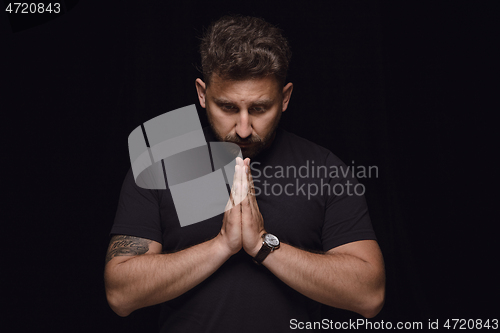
(235,139)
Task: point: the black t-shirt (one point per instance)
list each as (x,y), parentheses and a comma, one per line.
(308,199)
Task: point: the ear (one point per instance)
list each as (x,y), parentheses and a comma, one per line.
(287,93)
(202,91)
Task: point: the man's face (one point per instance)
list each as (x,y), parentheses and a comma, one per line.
(244,112)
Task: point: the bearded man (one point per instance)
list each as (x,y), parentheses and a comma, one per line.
(277,255)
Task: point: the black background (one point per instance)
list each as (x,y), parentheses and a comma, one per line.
(406,86)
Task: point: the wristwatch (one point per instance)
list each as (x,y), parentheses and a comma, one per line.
(269,244)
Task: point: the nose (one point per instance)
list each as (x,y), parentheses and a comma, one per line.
(243,125)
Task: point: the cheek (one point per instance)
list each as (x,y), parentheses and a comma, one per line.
(222,121)
(269,120)
(263,125)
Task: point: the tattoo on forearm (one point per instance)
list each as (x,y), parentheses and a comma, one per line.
(127,246)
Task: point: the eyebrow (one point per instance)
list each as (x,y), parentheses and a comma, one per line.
(261,102)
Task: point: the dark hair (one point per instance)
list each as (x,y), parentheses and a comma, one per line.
(242,47)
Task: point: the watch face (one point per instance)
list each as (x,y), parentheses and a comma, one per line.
(271,240)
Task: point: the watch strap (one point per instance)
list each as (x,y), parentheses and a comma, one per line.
(262,254)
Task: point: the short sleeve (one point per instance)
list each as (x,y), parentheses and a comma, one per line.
(346,212)
(138,212)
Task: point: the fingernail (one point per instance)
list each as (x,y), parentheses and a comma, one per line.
(246,170)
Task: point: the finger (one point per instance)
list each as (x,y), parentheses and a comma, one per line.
(250,180)
(232,195)
(242,186)
(249,207)
(246,212)
(238,168)
(236,211)
(251,189)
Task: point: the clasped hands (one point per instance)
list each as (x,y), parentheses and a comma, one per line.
(242,225)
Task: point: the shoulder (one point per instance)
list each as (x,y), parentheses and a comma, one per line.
(298,145)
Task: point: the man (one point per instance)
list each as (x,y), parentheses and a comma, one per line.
(277,256)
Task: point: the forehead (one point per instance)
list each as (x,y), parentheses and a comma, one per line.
(243,90)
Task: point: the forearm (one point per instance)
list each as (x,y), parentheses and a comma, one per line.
(338,280)
(151,279)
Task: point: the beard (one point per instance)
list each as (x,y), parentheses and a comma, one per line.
(258,143)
